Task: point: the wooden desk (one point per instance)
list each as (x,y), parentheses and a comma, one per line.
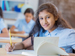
(8,41)
(4,53)
(19,35)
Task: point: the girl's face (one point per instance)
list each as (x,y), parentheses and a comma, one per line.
(47,20)
(28,16)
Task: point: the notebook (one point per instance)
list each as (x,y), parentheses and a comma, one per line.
(47,46)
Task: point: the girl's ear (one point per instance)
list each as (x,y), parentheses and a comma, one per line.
(56,18)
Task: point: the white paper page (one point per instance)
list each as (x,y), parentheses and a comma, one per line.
(38,40)
(47,48)
(29,53)
(23,52)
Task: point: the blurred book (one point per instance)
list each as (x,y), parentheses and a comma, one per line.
(7,5)
(3,5)
(47,46)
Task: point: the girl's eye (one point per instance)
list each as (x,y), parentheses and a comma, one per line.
(41,18)
(48,17)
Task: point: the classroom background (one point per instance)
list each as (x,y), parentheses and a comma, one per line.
(66,7)
(12,9)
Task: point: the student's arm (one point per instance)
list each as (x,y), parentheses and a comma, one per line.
(23,45)
(4,33)
(27,43)
(16,32)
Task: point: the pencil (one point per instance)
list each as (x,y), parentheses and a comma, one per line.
(10,37)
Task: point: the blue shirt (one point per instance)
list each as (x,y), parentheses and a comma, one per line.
(2,25)
(21,23)
(66,37)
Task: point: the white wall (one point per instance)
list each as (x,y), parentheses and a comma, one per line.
(34,4)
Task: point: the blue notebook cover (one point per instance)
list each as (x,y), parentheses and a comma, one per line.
(7,5)
(3,5)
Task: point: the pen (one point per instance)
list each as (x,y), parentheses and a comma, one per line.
(10,37)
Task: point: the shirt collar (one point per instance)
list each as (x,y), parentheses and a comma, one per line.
(54,32)
(29,22)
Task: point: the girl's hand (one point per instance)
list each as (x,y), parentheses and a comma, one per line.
(9,48)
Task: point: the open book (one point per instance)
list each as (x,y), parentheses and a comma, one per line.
(47,46)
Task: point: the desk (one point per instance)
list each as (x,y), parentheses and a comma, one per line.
(4,53)
(19,35)
(8,41)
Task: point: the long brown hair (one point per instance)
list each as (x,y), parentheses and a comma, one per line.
(1,13)
(51,8)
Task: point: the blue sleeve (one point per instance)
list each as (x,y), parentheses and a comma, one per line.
(2,25)
(17,23)
(71,39)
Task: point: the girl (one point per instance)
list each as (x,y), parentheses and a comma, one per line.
(3,30)
(49,23)
(24,25)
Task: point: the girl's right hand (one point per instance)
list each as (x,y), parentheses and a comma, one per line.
(9,48)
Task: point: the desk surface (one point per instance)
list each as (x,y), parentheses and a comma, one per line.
(4,53)
(8,41)
(19,35)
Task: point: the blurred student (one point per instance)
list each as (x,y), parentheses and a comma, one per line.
(24,25)
(49,24)
(3,29)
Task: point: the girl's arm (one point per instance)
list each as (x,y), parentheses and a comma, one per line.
(12,29)
(26,44)
(4,33)
(22,45)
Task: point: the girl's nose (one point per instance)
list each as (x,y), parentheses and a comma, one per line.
(45,21)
